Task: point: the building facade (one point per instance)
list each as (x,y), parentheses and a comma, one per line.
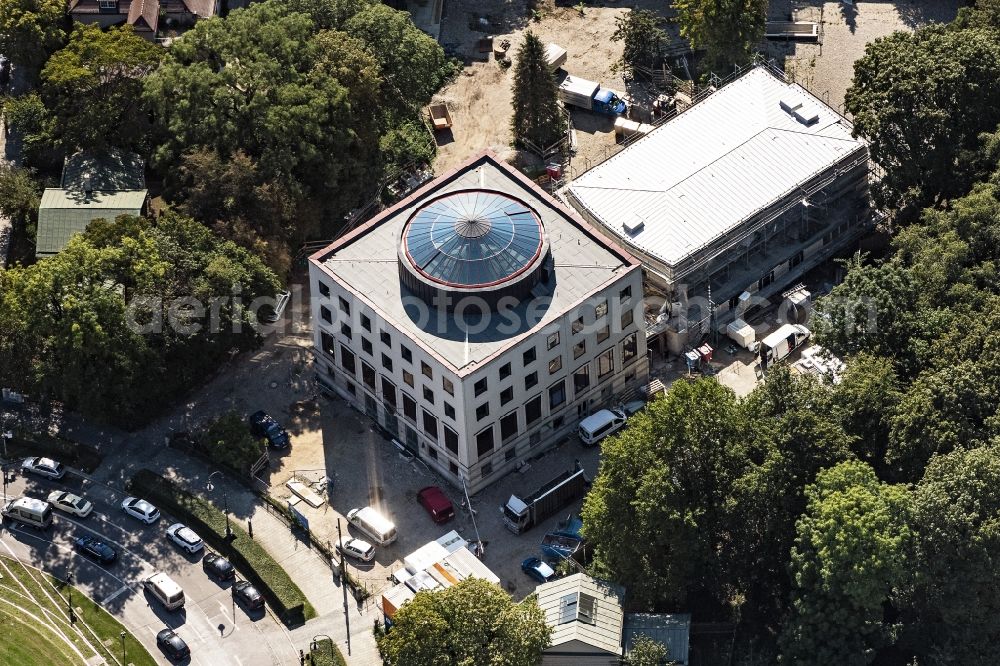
(477,321)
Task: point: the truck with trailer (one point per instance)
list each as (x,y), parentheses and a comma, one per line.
(589,95)
(781,343)
(521,514)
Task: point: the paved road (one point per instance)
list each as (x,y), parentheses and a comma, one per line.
(219,631)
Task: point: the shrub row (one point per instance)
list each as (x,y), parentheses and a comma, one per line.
(284,596)
(325,653)
(80,456)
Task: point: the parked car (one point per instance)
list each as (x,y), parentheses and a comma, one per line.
(172,644)
(46,467)
(537,569)
(218,567)
(185,537)
(356,548)
(248,595)
(264,425)
(95,548)
(437,504)
(140,509)
(70,503)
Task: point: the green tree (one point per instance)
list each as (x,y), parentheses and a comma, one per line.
(647,652)
(667,478)
(864,402)
(28,115)
(93,89)
(474,622)
(957,546)
(643,39)
(20,194)
(727,29)
(227,440)
(848,560)
(922,99)
(538,118)
(31,29)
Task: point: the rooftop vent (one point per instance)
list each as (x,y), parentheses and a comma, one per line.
(806,114)
(634,227)
(790,104)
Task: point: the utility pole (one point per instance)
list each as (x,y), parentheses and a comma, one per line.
(343,586)
(472,513)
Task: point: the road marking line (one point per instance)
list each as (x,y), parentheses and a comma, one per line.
(114,595)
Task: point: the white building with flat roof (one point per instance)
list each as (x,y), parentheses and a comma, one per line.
(743,192)
(478,320)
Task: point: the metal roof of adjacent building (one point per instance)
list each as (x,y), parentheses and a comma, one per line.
(112,170)
(671,630)
(744,147)
(584,609)
(64,213)
(365,262)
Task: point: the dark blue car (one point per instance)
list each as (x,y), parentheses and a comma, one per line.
(263,425)
(537,569)
(96,549)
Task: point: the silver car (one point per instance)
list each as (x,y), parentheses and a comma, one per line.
(70,503)
(46,467)
(185,537)
(140,509)
(356,548)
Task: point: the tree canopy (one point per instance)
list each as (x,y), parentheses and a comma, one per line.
(727,29)
(643,39)
(537,118)
(473,622)
(32,29)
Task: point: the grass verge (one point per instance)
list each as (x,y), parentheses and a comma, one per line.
(324,653)
(26,592)
(285,597)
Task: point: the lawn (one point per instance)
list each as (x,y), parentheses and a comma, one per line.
(34,628)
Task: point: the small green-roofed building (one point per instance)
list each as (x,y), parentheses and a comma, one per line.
(94,186)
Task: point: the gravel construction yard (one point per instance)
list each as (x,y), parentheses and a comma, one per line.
(480,97)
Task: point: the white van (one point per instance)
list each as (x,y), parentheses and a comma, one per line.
(373,524)
(166,591)
(597,426)
(30,511)
(781,343)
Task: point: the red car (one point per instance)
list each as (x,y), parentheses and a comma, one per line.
(437,504)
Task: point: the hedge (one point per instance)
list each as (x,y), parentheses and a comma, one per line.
(284,596)
(324,653)
(81,456)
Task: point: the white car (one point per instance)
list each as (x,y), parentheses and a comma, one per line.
(185,537)
(140,509)
(70,503)
(46,467)
(356,548)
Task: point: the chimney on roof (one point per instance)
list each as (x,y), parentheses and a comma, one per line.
(88,186)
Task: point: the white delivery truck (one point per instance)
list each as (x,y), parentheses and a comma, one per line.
(781,343)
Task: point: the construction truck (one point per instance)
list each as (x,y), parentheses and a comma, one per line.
(781,343)
(521,514)
(590,95)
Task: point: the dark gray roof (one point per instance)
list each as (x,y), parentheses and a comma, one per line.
(112,170)
(669,629)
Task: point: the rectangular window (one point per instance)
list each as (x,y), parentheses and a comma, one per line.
(627,318)
(581,379)
(345,331)
(326,343)
(509,454)
(366,323)
(428,395)
(528,357)
(552,340)
(368,375)
(506,395)
(409,407)
(347,360)
(555,365)
(625,295)
(408,378)
(482,411)
(606,363)
(325,314)
(577,325)
(352,389)
(405,352)
(629,348)
(557,394)
(533,410)
(109,5)
(504,371)
(450,440)
(324,290)
(530,380)
(508,426)
(389,392)
(344,305)
(603,334)
(426,369)
(480,387)
(386,339)
(430,425)
(447,386)
(386,362)
(453,468)
(484,442)
(601,309)
(449,411)
(579,349)
(366,346)
(487,469)
(431,452)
